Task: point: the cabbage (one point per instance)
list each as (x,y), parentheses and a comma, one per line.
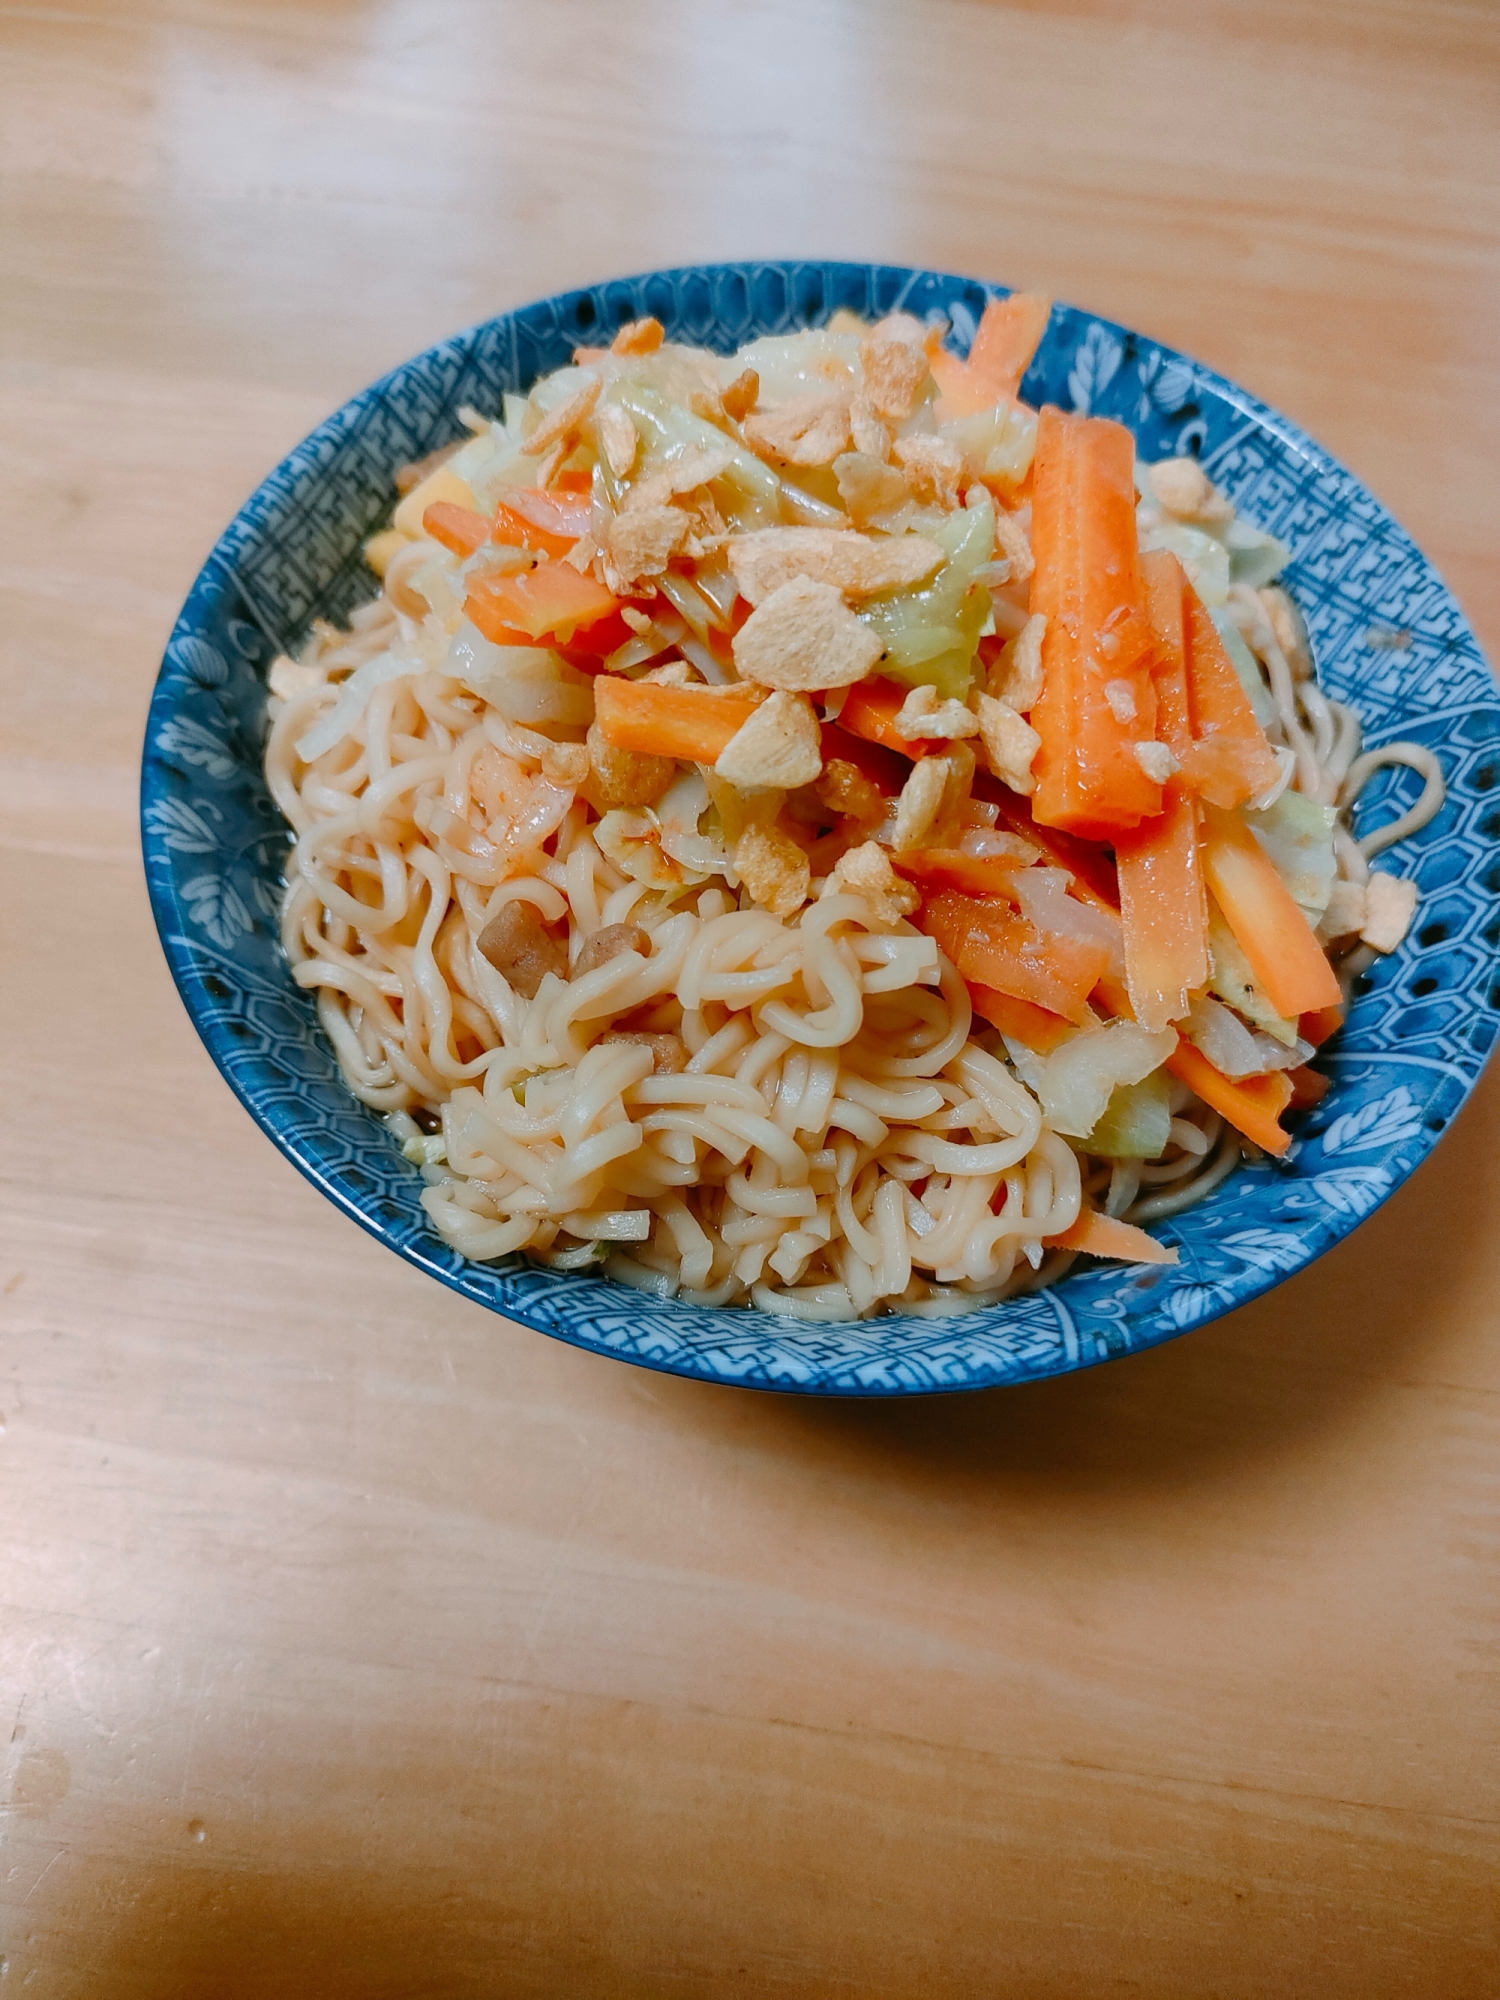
(1137,1121)
(1201,554)
(1297,833)
(748,492)
(1077,1080)
(1254,556)
(1234,982)
(931,633)
(1233,1048)
(996,444)
(800,364)
(1245,665)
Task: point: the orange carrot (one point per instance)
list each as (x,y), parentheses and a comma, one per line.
(552,600)
(549,523)
(1309,1087)
(995,945)
(869,711)
(1319,1026)
(1285,957)
(457,528)
(1162,905)
(1252,1106)
(657,721)
(1093,872)
(961,393)
(1032,1026)
(1102,1236)
(1229,759)
(1010,331)
(951,868)
(887,770)
(1088,586)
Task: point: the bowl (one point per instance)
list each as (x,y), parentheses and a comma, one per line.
(1387,634)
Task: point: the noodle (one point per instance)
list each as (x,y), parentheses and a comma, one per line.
(840,1135)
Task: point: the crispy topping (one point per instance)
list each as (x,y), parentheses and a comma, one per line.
(934,466)
(669,1056)
(780,745)
(1010,743)
(922,714)
(858,565)
(288,678)
(521,948)
(1345,914)
(804,636)
(1121,698)
(934,793)
(624,777)
(1016,677)
(894,372)
(773,868)
(1156,760)
(638,336)
(804,430)
(618,439)
(600,946)
(564,421)
(642,543)
(845,790)
(679,475)
(872,437)
(1390,903)
(638,620)
(1011,539)
(742,395)
(866,871)
(565,765)
(866,486)
(1185,490)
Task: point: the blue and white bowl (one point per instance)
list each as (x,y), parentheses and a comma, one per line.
(1388,637)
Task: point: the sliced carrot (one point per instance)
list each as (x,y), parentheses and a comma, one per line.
(1010,331)
(549,523)
(884,768)
(552,600)
(1321,1025)
(457,528)
(657,721)
(1252,1106)
(1229,759)
(1309,1087)
(1032,1026)
(1103,1236)
(1275,936)
(951,868)
(1088,586)
(960,392)
(993,944)
(870,709)
(1163,909)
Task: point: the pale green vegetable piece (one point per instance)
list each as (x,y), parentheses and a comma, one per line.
(1136,1123)
(932,633)
(1297,833)
(1202,555)
(1254,556)
(1245,666)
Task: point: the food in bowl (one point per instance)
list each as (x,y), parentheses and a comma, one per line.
(804,829)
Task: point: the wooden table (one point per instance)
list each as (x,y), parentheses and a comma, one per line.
(353,1642)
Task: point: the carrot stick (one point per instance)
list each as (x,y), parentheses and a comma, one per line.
(1319,1026)
(1102,1236)
(887,770)
(1229,759)
(951,868)
(1088,586)
(1093,872)
(994,945)
(1309,1087)
(1032,1026)
(1252,1106)
(1163,909)
(552,600)
(1010,331)
(960,392)
(549,523)
(659,721)
(869,711)
(1276,938)
(457,528)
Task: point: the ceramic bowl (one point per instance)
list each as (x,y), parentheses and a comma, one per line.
(1387,635)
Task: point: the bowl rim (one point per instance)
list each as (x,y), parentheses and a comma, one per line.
(188,975)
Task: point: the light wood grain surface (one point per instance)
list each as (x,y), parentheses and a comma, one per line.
(356,1643)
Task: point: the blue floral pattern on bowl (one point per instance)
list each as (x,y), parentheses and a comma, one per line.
(1387,635)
